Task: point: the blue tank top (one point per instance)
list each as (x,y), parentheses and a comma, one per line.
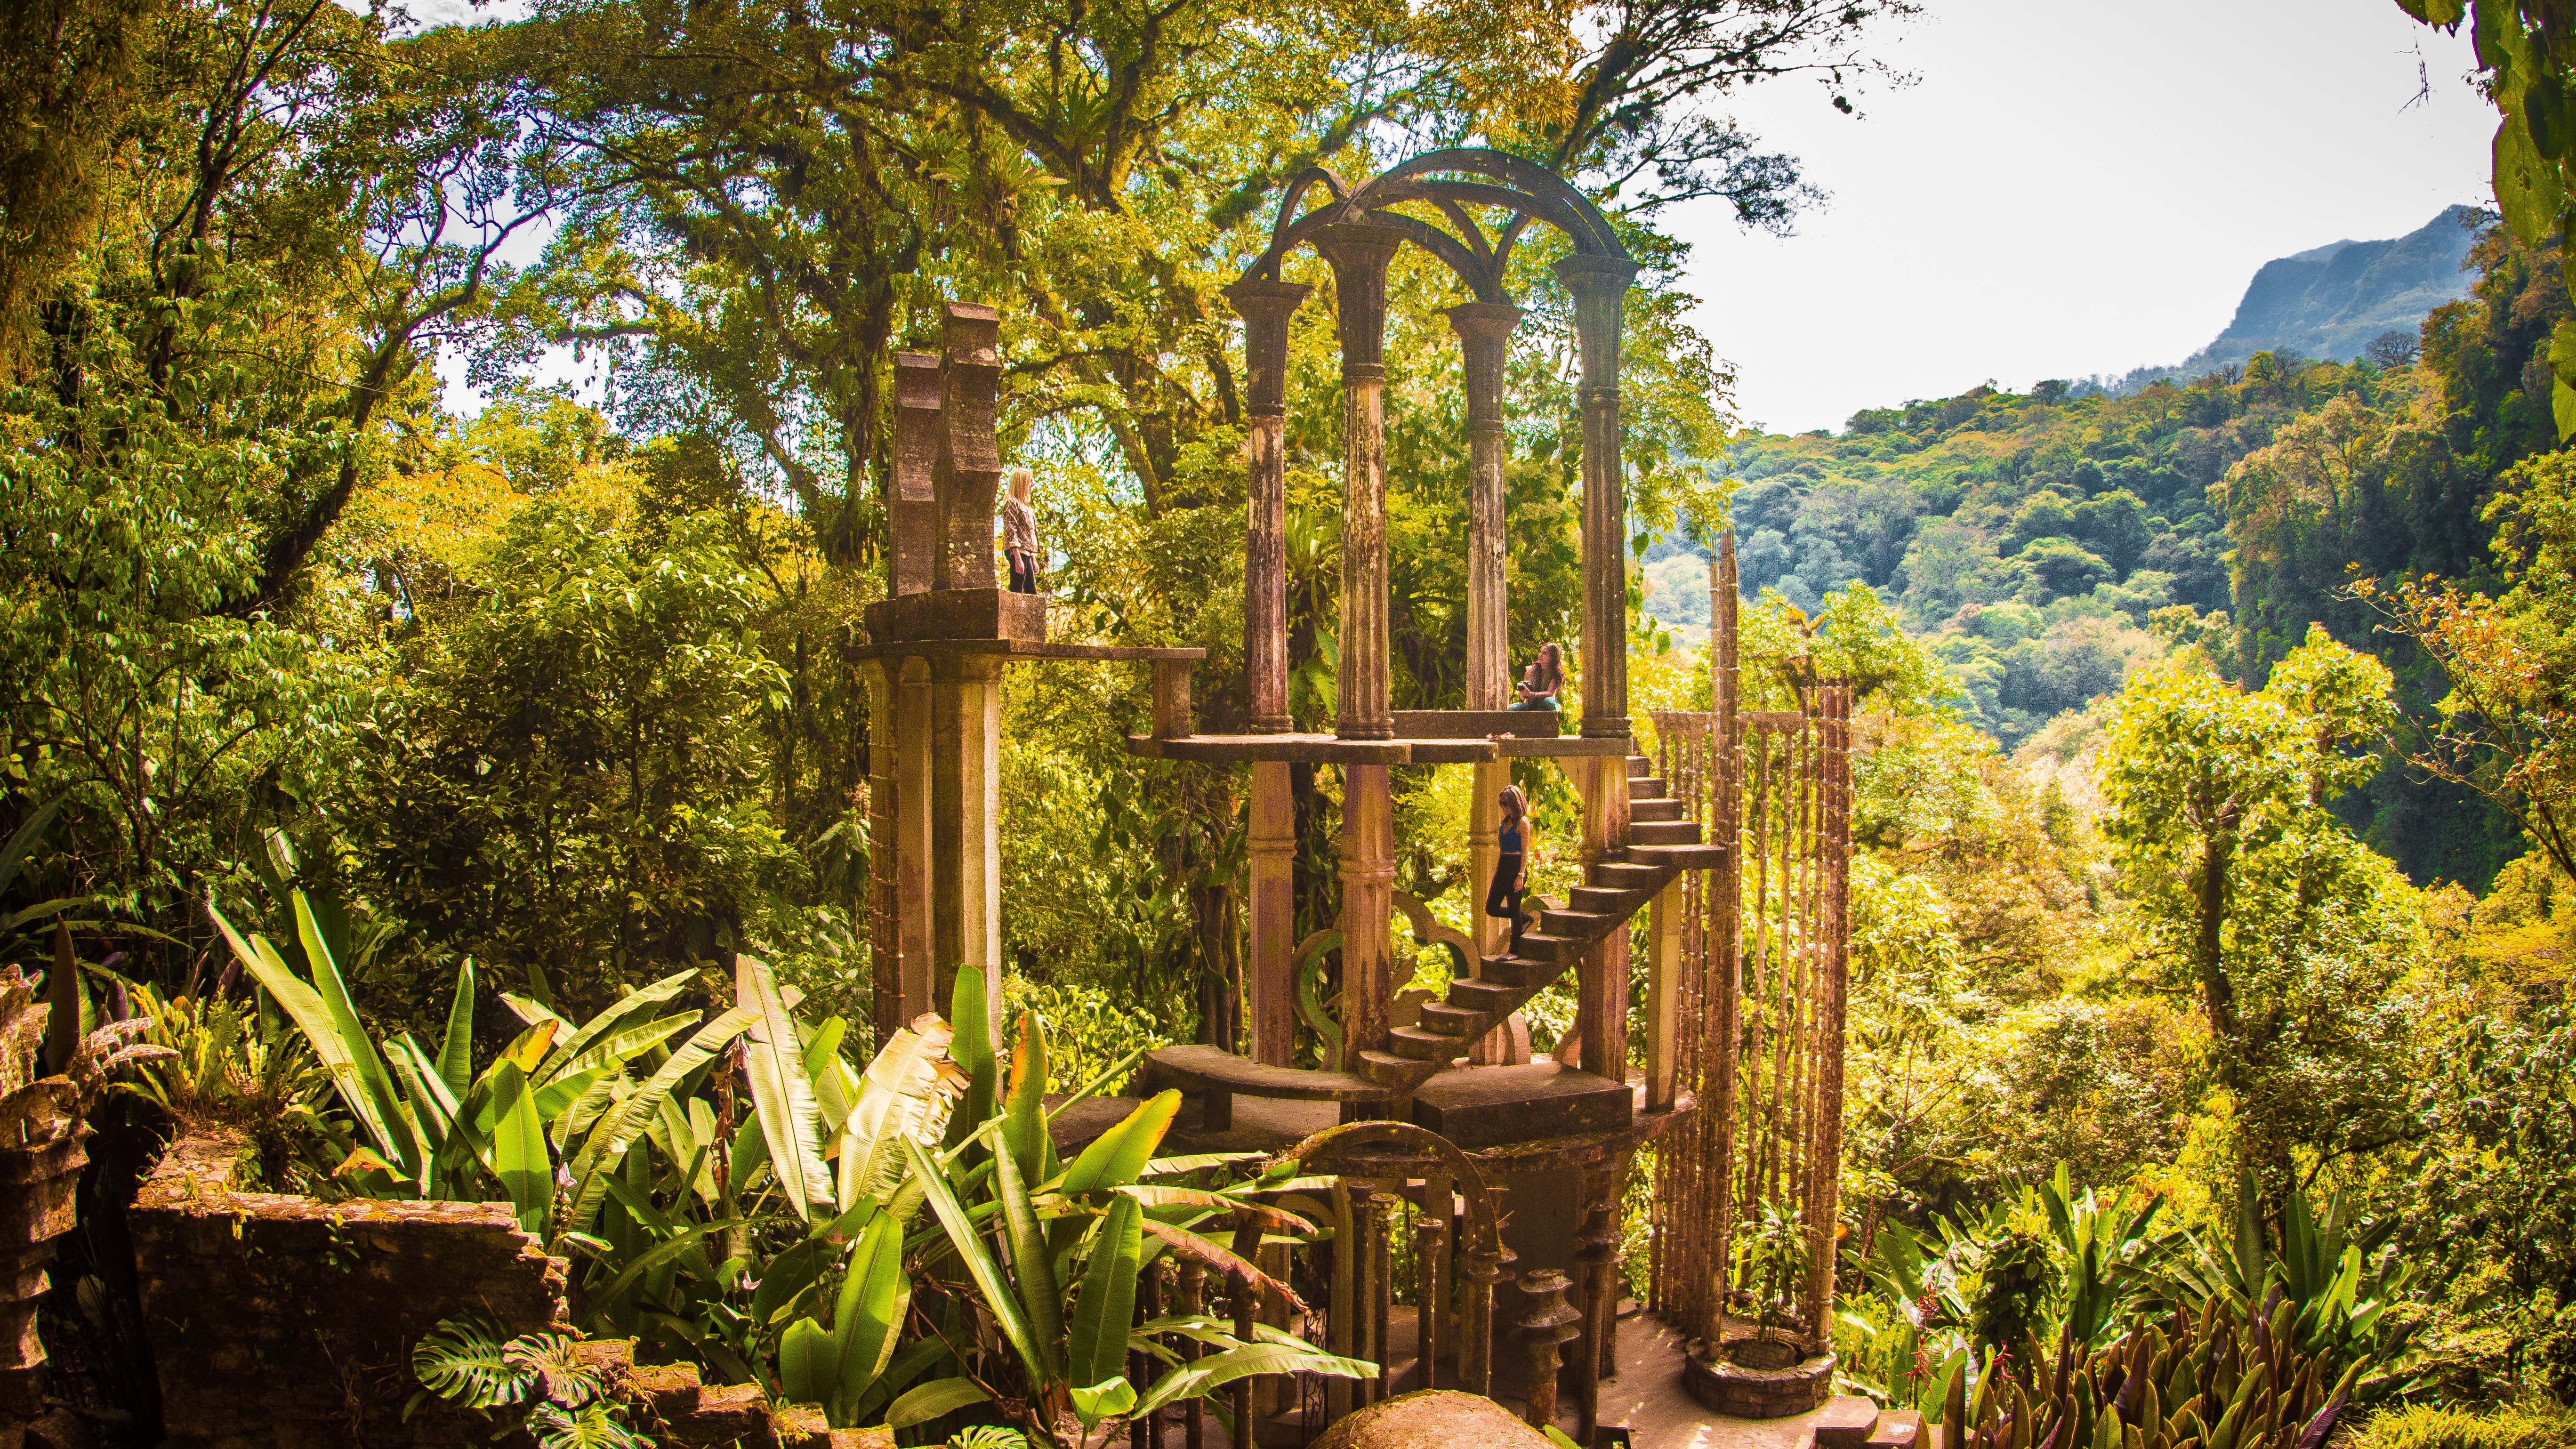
(1511,838)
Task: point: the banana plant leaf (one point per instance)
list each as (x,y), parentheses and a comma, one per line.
(791,1121)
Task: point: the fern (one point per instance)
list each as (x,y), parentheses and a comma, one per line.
(463,1361)
(593,1428)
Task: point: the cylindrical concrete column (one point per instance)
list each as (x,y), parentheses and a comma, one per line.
(1599,285)
(1272,848)
(1266,308)
(1359,253)
(1484,336)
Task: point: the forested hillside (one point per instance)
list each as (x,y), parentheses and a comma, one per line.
(2045,545)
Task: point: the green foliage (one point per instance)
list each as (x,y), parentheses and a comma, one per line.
(2425,1426)
(2498,1203)
(2249,893)
(568,1405)
(571,768)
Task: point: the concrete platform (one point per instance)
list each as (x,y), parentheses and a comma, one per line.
(1646,1399)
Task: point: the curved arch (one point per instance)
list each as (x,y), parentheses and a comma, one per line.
(1480,1208)
(1267,264)
(1528,190)
(1536,181)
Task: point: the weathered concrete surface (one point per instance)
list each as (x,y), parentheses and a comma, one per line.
(279,1321)
(1440,1417)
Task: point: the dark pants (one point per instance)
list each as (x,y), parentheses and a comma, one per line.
(1503,897)
(1024,574)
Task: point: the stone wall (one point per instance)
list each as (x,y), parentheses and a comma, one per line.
(282,1322)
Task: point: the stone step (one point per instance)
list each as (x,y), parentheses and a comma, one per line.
(1666,859)
(1845,1422)
(1654,810)
(1215,1067)
(1417,1045)
(1602,902)
(1396,1075)
(1523,973)
(1563,950)
(1664,832)
(1492,997)
(1639,767)
(1578,925)
(1625,875)
(1447,1019)
(1645,787)
(1898,1429)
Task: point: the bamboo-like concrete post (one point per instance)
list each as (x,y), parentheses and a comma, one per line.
(1271,845)
(1725,1016)
(1825,1206)
(1597,1260)
(966,826)
(885,911)
(1266,308)
(1431,1255)
(1599,285)
(913,871)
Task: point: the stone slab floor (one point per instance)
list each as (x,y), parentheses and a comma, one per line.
(1647,1398)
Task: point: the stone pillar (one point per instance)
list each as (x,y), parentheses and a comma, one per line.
(1724,1008)
(970,463)
(1359,253)
(1548,1325)
(1663,989)
(1266,308)
(1484,852)
(885,910)
(1484,338)
(912,498)
(1601,976)
(1272,983)
(1368,884)
(1599,285)
(966,831)
(913,870)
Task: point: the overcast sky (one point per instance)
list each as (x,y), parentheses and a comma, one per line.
(2074,187)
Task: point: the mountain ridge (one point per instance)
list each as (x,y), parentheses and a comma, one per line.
(2329,302)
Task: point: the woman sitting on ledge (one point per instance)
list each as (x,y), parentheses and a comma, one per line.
(1543,681)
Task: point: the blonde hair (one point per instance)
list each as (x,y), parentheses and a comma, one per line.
(1021,478)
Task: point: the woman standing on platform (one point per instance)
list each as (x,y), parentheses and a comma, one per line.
(1020,534)
(1539,687)
(1511,870)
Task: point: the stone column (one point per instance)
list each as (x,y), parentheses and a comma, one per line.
(1599,285)
(913,871)
(966,828)
(885,911)
(1272,984)
(1670,909)
(1484,337)
(1368,884)
(912,499)
(970,463)
(1359,253)
(1601,976)
(1266,308)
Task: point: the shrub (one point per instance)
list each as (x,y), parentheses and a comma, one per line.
(2420,1426)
